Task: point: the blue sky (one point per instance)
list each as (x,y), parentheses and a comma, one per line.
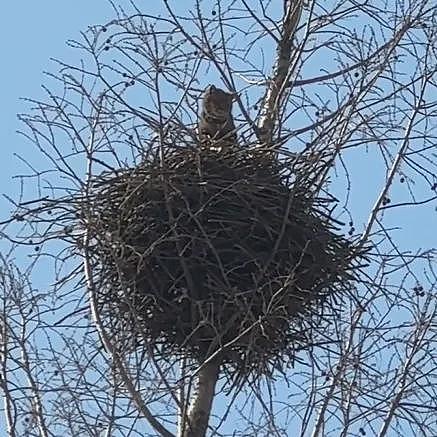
(31,33)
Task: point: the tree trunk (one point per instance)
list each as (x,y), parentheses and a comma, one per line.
(199,411)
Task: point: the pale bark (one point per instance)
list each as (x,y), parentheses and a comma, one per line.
(201,402)
(281,74)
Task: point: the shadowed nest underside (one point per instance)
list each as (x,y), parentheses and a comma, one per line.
(233,253)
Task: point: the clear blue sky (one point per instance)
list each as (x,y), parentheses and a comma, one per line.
(31,33)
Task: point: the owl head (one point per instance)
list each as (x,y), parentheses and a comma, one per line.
(217,102)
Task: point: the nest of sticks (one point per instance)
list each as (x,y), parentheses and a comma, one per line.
(228,253)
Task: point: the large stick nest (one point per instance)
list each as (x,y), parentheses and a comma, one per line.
(196,251)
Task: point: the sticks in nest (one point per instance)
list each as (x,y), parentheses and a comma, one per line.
(230,254)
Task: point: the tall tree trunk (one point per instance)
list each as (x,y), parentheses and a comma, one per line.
(199,411)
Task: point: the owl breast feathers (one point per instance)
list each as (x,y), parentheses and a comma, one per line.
(216,125)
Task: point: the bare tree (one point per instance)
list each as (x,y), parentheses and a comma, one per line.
(344,88)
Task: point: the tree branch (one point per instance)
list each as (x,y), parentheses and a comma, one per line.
(278,82)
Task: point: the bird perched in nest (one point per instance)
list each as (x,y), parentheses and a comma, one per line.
(216,128)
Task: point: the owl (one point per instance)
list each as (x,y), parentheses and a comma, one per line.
(216,128)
